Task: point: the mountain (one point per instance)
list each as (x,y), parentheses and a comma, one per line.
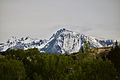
(63,41)
(22,43)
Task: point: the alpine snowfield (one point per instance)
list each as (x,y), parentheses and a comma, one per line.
(63,41)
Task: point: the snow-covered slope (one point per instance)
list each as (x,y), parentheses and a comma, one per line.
(22,43)
(63,41)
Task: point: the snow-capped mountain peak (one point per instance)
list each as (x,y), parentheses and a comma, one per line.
(63,41)
(21,43)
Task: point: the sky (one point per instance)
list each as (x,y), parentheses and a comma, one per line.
(41,18)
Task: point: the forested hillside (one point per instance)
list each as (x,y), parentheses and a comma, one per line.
(32,65)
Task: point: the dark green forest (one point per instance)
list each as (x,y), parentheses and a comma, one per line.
(32,65)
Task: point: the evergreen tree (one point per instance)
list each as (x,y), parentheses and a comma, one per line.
(116,44)
(114,57)
(11,70)
(86,47)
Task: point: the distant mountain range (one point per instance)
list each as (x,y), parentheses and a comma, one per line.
(63,41)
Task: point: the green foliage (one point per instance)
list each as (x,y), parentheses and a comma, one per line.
(11,70)
(114,57)
(97,70)
(86,47)
(32,65)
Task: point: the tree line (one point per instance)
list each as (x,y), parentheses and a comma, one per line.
(32,65)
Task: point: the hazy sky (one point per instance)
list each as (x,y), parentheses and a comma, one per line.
(41,18)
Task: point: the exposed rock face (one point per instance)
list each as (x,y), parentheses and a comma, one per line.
(63,41)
